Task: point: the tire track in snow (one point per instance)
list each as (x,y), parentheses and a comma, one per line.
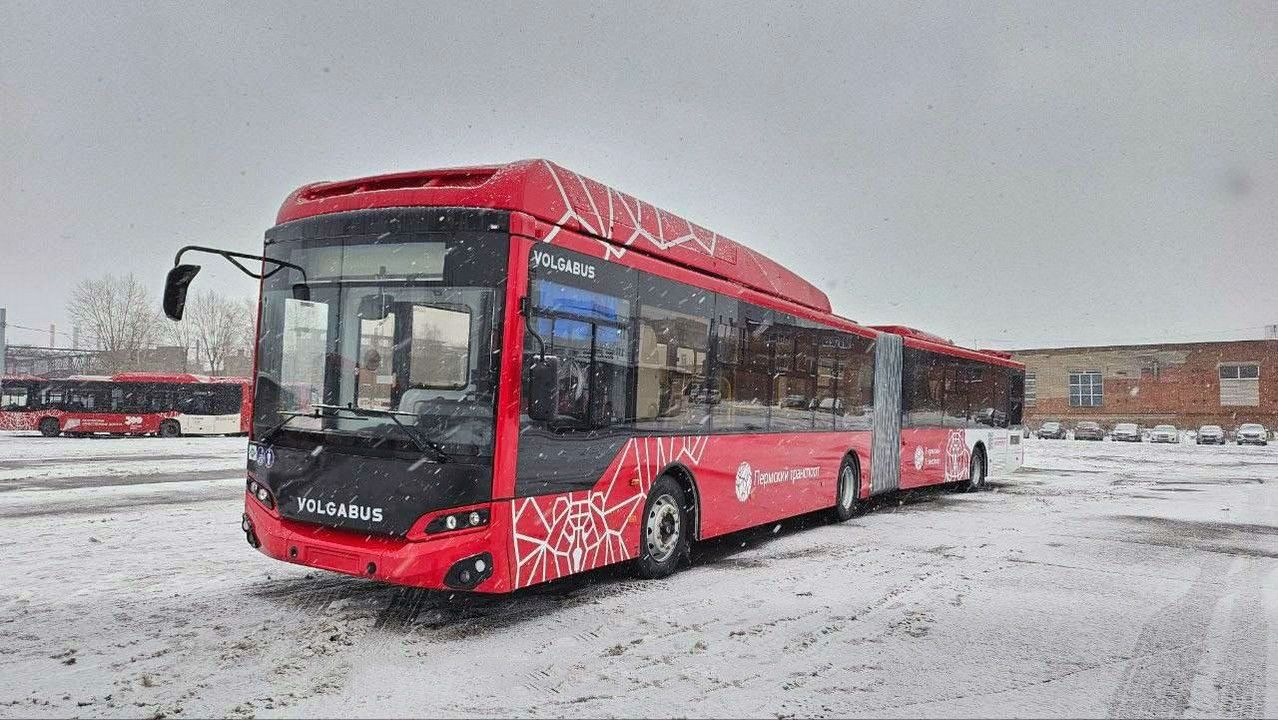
(1158,680)
(1242,681)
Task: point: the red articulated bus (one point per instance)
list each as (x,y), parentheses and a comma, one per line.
(133,403)
(489,377)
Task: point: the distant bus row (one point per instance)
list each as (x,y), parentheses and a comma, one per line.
(163,404)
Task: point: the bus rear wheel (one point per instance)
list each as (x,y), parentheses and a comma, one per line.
(846,502)
(170,429)
(976,472)
(49,427)
(664,539)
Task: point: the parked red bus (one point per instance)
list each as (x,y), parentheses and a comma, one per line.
(489,377)
(135,403)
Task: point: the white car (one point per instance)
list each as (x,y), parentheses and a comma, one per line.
(1252,434)
(1126,432)
(1211,435)
(1164,434)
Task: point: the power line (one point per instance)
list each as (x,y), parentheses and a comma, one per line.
(83,335)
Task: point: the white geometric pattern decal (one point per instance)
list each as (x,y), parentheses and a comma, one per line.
(701,238)
(558,535)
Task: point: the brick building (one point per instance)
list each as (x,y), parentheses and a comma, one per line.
(1185,384)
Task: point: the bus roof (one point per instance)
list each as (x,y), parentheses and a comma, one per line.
(922,340)
(563,198)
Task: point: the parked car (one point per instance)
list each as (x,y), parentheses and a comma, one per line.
(1211,435)
(699,392)
(1088,430)
(1251,434)
(1051,430)
(1164,434)
(828,406)
(1125,432)
(795,401)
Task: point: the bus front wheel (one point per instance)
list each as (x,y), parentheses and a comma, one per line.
(170,429)
(665,530)
(49,427)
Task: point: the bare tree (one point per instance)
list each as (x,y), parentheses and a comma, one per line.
(118,312)
(249,339)
(181,333)
(219,328)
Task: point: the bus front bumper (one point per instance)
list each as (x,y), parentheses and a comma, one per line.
(469,561)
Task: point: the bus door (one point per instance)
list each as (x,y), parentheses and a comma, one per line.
(197,411)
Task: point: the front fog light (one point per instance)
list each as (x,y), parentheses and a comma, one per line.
(468,573)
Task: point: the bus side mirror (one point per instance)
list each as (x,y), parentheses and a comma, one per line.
(175,287)
(543,389)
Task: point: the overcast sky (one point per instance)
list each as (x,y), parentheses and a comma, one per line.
(1020,175)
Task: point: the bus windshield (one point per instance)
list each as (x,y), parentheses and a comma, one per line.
(391,341)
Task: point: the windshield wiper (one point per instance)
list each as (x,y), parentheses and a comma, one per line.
(289,416)
(426,445)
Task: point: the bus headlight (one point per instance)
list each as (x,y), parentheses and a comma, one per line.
(259,491)
(458,521)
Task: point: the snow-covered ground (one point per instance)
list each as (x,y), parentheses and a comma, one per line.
(1102,579)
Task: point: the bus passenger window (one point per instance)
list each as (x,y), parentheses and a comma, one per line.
(674,351)
(14,398)
(672,359)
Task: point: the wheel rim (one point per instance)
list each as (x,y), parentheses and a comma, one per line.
(662,528)
(847,486)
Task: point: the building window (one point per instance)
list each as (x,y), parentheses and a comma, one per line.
(1031,389)
(1240,384)
(1086,389)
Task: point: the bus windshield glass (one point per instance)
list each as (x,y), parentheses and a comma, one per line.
(391,341)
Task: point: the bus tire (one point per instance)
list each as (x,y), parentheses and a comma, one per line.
(663,538)
(976,471)
(49,427)
(846,502)
(170,429)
